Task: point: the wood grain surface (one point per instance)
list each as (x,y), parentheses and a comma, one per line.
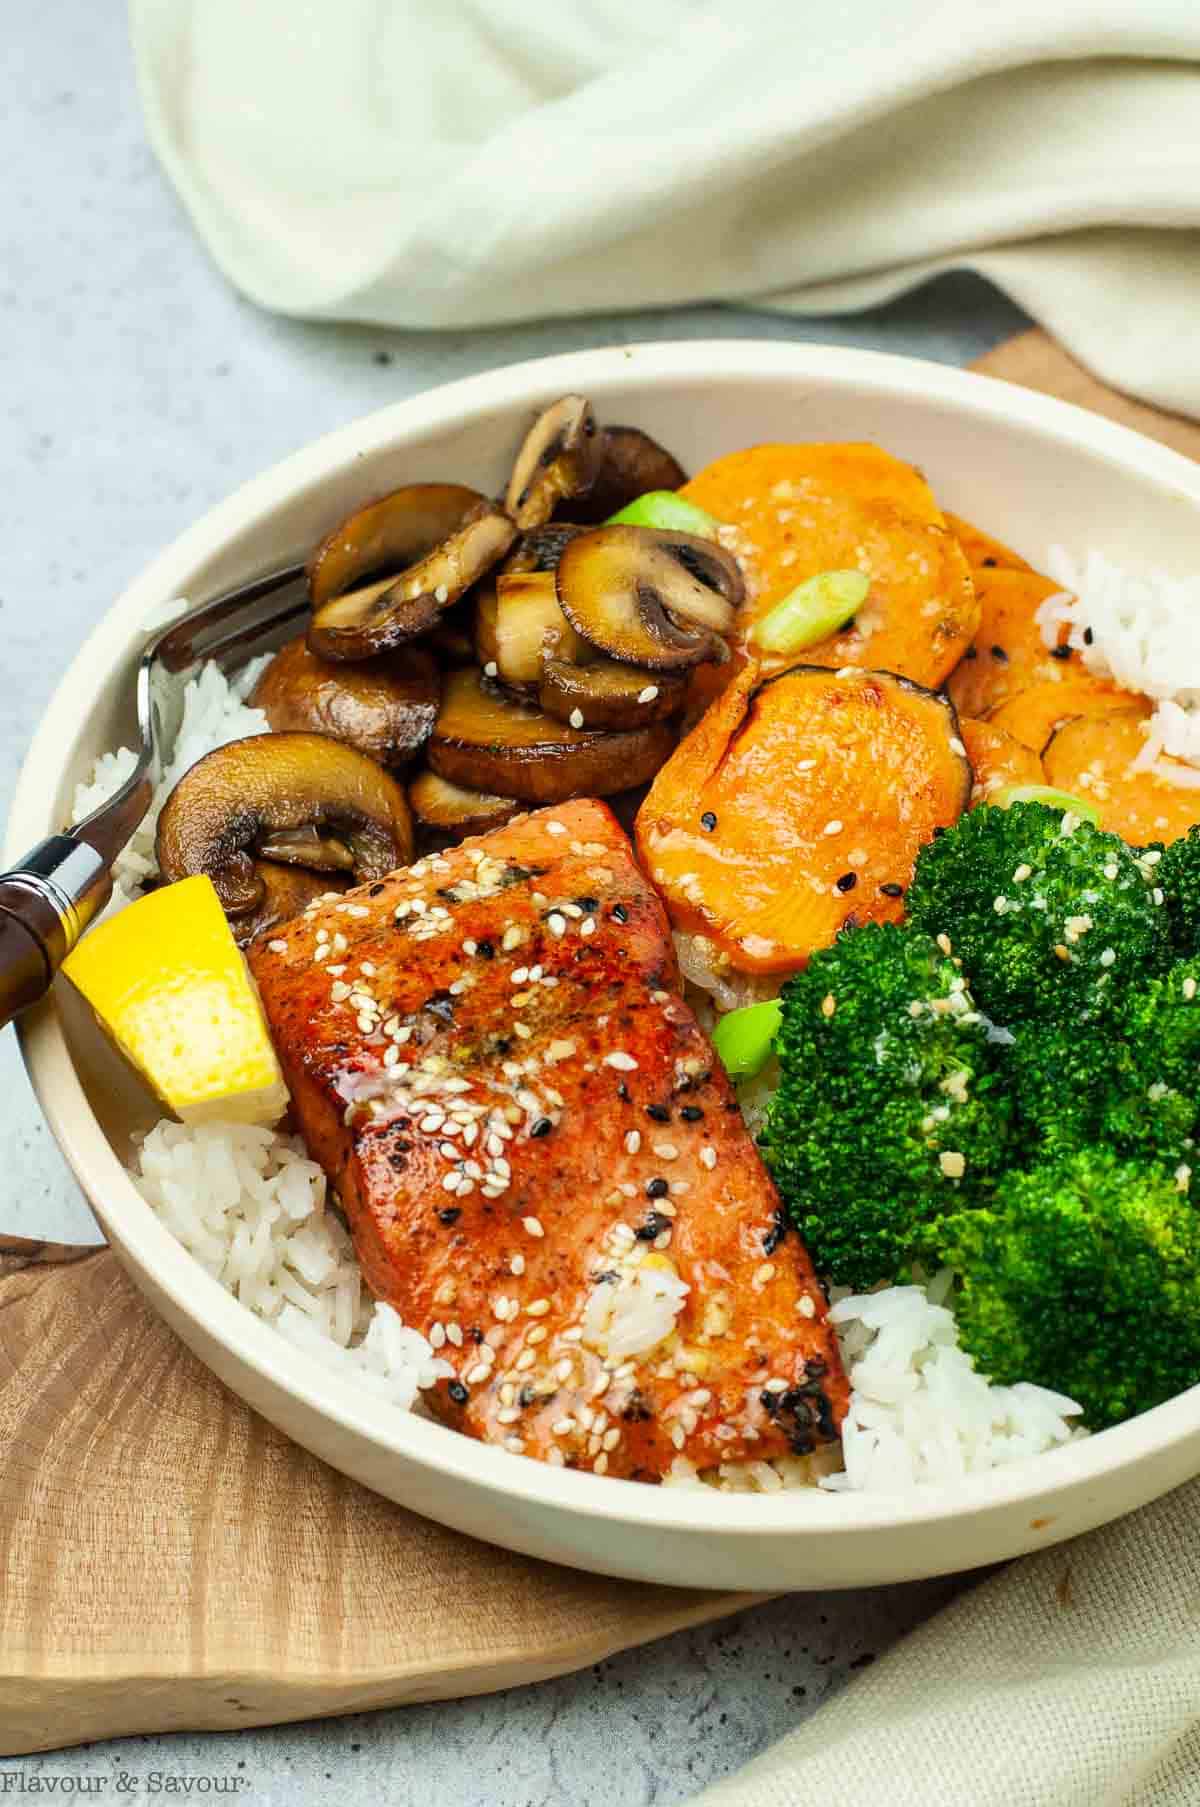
(169,1561)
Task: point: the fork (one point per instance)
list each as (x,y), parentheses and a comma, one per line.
(49,898)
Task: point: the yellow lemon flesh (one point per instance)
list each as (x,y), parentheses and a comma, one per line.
(168,983)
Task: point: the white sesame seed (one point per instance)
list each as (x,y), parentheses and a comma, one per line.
(515,1446)
(532,1226)
(565,1369)
(538,1334)
(633,1141)
(450,1182)
(624,1063)
(437,1336)
(600,1465)
(945,943)
(1022,873)
(612,1437)
(512,938)
(834,827)
(1189,989)
(491,669)
(476,1376)
(666,1151)
(511,1414)
(764,1273)
(454,1335)
(562,1427)
(1157,894)
(525,1360)
(1108,957)
(806,1307)
(555,827)
(556,924)
(588,926)
(576,718)
(828,1004)
(952,1164)
(277,947)
(537,1308)
(1111,870)
(648,694)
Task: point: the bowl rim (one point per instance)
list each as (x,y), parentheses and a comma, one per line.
(149,1245)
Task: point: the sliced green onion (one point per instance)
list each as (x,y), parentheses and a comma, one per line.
(814,610)
(745,1037)
(662,508)
(1045,793)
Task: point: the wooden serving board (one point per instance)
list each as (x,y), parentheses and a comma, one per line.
(170,1561)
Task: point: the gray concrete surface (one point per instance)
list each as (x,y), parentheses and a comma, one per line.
(136,391)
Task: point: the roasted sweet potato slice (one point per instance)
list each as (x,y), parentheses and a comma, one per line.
(1033,715)
(487,741)
(997,759)
(1009,654)
(1093,757)
(798,804)
(796,510)
(981,550)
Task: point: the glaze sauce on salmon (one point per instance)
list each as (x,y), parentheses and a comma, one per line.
(542,1162)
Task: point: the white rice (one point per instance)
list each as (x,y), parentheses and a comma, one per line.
(633,1313)
(1144,631)
(251,1207)
(215,712)
(920,1416)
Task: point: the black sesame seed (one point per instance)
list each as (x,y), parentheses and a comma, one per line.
(1000,656)
(972,652)
(622,1091)
(691,1113)
(620,913)
(376,890)
(1060,652)
(847,881)
(653,1226)
(989,562)
(658,1113)
(485,950)
(892,889)
(657,1188)
(588,904)
(1088,636)
(451,1214)
(542,1127)
(458,1392)
(708,820)
(475,1334)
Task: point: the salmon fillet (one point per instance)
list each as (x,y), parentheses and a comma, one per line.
(541,1160)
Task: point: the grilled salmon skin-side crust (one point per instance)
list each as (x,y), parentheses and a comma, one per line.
(541,1159)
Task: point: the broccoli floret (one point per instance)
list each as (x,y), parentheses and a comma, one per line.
(1178,873)
(891,1101)
(1052,918)
(1082,1276)
(1132,1083)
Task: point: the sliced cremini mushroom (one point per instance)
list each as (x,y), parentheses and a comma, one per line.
(541,548)
(603,694)
(493,742)
(390,570)
(296,798)
(386,708)
(529,628)
(453,809)
(558,460)
(647,597)
(631,465)
(286,892)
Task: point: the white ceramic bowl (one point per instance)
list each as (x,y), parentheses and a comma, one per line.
(1033,471)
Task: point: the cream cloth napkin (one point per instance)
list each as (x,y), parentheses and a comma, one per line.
(1070,1680)
(450,163)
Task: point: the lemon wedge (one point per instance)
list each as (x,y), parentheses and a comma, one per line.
(168,983)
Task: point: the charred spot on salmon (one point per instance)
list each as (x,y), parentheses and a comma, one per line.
(775,1233)
(657,1188)
(847,881)
(450,1215)
(441,1005)
(637,1408)
(542,1127)
(620,913)
(659,1113)
(708,820)
(457,1392)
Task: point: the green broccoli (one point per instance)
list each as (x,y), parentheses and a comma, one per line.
(891,1102)
(1132,1083)
(1178,873)
(1083,1276)
(1052,918)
